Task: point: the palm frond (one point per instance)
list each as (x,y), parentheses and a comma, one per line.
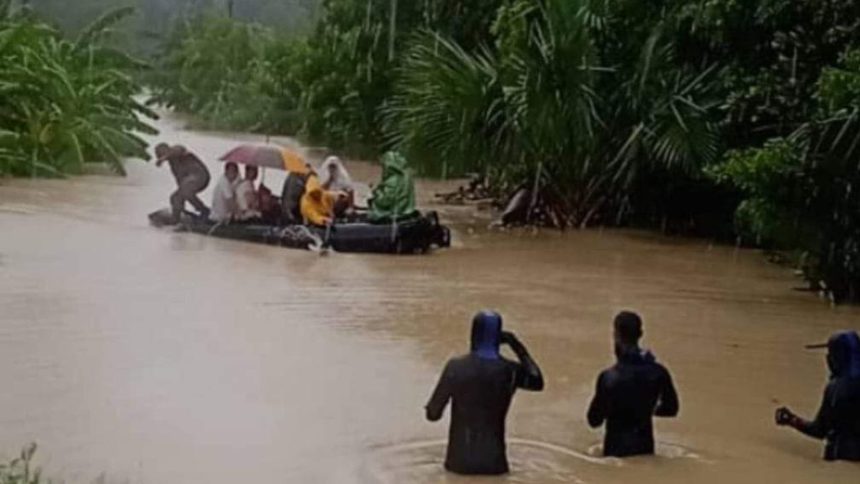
(103,26)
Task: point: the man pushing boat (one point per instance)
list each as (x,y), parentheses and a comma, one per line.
(192,177)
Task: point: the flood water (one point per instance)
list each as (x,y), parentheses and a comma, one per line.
(147,356)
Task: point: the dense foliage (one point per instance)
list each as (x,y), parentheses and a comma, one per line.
(65,102)
(218,72)
(329,86)
(719,117)
(801,189)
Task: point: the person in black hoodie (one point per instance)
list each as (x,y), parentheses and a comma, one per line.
(481,385)
(629,393)
(838,419)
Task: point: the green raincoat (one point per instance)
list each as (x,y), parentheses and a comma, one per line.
(394,197)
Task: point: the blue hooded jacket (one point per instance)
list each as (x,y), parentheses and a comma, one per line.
(486,335)
(838,418)
(843,355)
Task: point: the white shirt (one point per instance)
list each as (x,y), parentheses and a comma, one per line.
(223,201)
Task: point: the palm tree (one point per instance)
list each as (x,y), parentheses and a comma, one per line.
(544,108)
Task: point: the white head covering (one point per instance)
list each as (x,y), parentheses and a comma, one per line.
(341,180)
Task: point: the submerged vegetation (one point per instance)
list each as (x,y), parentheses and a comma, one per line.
(65,102)
(21,470)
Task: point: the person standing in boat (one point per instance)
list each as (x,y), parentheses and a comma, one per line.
(630,393)
(224,206)
(838,419)
(480,386)
(191,175)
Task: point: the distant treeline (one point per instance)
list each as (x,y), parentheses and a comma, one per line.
(153,19)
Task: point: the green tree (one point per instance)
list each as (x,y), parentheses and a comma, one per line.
(800,189)
(65,102)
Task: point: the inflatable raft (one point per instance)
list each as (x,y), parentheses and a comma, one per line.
(416,235)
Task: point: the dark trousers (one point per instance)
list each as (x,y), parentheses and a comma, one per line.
(187,191)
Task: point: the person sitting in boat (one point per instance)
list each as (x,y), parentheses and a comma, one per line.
(318,204)
(246,195)
(224,206)
(292,193)
(335,178)
(394,197)
(270,206)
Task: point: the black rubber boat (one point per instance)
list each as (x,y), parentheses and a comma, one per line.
(416,235)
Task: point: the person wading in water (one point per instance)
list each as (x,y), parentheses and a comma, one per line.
(192,177)
(480,386)
(630,393)
(838,419)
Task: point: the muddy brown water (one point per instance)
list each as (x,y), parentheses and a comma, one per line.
(147,356)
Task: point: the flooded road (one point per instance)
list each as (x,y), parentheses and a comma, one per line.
(148,356)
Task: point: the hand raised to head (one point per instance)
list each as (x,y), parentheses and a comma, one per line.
(507,337)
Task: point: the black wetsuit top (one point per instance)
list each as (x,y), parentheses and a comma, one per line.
(627,396)
(481,391)
(838,420)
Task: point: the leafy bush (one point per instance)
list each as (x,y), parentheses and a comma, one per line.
(800,190)
(65,103)
(214,67)
(328,87)
(546,104)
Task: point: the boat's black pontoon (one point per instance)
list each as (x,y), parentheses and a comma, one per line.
(417,234)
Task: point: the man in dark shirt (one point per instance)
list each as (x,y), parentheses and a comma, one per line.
(192,177)
(481,385)
(838,419)
(291,195)
(630,393)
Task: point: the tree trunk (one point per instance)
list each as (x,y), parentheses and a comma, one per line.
(535,191)
(392,30)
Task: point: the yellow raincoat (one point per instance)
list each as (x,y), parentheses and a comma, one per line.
(317,204)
